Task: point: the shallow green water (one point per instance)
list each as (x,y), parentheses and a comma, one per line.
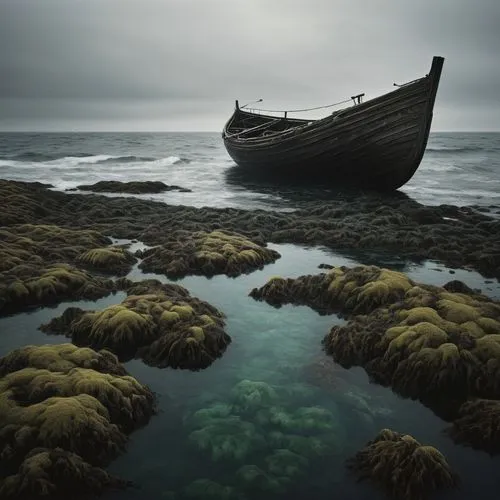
(274,346)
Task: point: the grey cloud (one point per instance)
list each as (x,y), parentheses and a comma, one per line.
(184,61)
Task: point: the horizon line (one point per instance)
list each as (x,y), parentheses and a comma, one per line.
(195,131)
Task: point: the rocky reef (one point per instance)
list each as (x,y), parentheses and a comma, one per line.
(159,323)
(402,467)
(33,286)
(65,412)
(39,265)
(478,425)
(216,252)
(368,221)
(133,187)
(434,345)
(340,289)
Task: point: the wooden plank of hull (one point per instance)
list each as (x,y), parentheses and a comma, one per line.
(379,143)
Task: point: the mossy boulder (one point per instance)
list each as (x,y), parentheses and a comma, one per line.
(60,358)
(164,325)
(51,286)
(52,243)
(349,291)
(434,345)
(60,324)
(478,425)
(51,397)
(208,254)
(113,260)
(57,474)
(402,467)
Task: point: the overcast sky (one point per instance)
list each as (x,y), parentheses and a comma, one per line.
(179,64)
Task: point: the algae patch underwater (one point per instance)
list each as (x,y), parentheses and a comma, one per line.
(269,442)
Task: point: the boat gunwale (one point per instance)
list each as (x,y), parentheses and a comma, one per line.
(312,124)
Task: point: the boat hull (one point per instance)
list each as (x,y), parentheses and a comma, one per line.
(377,144)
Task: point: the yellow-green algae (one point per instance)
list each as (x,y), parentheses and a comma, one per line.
(207,253)
(56,474)
(51,285)
(48,242)
(477,425)
(402,467)
(51,398)
(60,358)
(110,259)
(167,327)
(430,344)
(353,291)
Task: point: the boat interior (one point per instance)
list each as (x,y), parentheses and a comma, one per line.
(246,125)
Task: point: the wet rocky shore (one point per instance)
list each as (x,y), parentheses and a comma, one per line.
(423,341)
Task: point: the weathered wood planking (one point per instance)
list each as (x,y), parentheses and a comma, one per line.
(377,144)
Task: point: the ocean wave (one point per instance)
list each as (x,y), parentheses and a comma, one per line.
(451,149)
(127,159)
(170,160)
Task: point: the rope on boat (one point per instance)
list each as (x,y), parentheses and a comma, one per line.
(299,110)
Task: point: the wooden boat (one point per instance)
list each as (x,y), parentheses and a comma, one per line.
(374,144)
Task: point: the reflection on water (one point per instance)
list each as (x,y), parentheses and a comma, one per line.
(282,348)
(292,188)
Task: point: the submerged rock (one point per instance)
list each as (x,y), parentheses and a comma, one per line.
(208,254)
(402,467)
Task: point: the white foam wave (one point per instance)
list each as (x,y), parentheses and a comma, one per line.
(165,162)
(73,161)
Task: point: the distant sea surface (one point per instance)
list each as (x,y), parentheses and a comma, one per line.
(457,168)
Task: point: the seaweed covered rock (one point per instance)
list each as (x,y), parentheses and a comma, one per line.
(57,474)
(366,221)
(402,467)
(60,358)
(50,242)
(163,325)
(208,254)
(434,345)
(61,324)
(478,425)
(114,260)
(76,404)
(133,187)
(50,286)
(340,289)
